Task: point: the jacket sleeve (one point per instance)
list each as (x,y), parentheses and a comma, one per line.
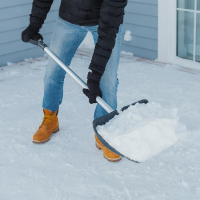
(111,16)
(40,8)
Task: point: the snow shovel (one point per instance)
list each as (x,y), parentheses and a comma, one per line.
(100,121)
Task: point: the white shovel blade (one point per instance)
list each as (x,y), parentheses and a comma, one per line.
(143,131)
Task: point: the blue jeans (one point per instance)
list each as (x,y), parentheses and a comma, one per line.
(65,40)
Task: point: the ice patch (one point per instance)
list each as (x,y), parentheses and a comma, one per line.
(9,63)
(143,130)
(126,53)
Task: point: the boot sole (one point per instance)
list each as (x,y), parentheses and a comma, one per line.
(112,160)
(43,141)
(98,146)
(109,159)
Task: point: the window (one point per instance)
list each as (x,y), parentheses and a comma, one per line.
(188,29)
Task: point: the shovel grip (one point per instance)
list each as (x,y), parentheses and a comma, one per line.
(39,43)
(35,42)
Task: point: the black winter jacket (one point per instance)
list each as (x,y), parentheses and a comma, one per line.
(108,14)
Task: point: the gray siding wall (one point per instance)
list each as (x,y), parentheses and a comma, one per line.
(14,18)
(141,18)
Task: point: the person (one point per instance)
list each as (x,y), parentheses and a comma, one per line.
(104,19)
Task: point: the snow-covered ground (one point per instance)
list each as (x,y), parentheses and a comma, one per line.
(69,166)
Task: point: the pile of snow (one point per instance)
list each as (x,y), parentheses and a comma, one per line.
(126,53)
(143,130)
(127,36)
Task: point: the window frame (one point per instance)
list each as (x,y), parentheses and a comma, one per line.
(167,34)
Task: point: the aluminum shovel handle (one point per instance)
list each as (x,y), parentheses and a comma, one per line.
(46,49)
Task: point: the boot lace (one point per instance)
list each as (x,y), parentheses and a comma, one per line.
(47,119)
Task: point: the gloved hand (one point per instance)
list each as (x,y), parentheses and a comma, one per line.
(30,32)
(93,85)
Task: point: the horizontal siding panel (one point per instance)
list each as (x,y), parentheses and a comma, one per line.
(142,20)
(18,45)
(16,11)
(145,43)
(13,35)
(21,10)
(141,31)
(141,8)
(7,3)
(144,53)
(10,3)
(20,22)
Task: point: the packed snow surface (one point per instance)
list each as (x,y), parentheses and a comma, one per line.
(69,166)
(143,130)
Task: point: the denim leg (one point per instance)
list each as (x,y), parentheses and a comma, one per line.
(109,81)
(64,43)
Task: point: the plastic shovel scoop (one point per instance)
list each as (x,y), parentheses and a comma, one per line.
(100,121)
(105,119)
(141,131)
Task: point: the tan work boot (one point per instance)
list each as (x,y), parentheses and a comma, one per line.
(49,125)
(109,155)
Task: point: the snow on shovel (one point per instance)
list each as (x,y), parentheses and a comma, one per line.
(141,131)
(100,121)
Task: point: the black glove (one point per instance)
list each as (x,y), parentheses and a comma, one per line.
(93,85)
(31,32)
